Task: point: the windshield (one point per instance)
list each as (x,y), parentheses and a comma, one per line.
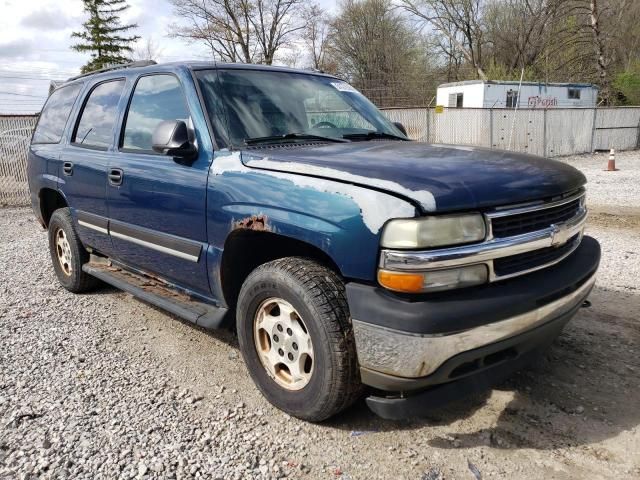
(255,106)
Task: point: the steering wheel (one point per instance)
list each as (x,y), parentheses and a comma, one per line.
(324,125)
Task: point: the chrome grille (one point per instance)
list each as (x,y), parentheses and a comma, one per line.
(521,239)
(534,259)
(512,225)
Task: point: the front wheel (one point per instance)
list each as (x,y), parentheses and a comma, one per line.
(296,338)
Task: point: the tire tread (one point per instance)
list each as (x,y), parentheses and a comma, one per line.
(82,282)
(328,295)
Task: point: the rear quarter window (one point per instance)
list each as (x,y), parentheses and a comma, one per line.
(55,114)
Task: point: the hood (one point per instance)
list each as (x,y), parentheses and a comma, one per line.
(437,177)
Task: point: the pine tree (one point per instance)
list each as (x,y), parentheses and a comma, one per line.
(103,35)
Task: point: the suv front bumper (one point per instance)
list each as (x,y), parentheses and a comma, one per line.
(463,340)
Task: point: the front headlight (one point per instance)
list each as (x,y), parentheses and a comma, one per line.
(438,231)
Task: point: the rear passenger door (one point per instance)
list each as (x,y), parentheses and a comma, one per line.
(85,160)
(156,205)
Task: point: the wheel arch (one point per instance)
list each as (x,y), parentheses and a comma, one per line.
(50,201)
(245,250)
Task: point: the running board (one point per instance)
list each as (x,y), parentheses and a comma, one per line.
(156,293)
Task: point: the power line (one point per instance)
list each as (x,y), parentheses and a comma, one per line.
(36,79)
(23,95)
(40,65)
(21,100)
(44,73)
(13,68)
(41,60)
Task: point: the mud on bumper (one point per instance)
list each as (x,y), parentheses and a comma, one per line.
(422,353)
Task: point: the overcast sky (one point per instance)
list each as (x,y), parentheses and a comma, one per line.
(35,36)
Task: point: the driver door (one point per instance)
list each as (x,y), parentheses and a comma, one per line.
(157,206)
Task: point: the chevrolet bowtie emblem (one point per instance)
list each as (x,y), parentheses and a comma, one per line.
(559,234)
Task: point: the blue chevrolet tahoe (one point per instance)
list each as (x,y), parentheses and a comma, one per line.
(351,260)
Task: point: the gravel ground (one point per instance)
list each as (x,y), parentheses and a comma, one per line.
(104,386)
(613,190)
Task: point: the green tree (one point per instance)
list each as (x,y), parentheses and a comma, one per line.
(627,85)
(103,35)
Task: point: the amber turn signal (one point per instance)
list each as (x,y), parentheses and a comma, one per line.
(401,282)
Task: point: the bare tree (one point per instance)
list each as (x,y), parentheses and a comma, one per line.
(453,58)
(375,48)
(315,36)
(625,44)
(519,31)
(147,50)
(222,25)
(249,31)
(274,24)
(461,21)
(598,42)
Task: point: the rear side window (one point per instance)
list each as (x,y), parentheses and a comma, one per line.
(55,114)
(98,118)
(156,98)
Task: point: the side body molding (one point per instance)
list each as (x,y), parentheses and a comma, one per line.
(162,242)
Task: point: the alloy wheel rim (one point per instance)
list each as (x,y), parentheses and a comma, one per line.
(63,251)
(283,344)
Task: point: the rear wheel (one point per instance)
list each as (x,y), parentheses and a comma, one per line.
(296,338)
(68,254)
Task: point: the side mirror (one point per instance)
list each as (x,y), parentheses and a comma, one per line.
(400,127)
(172,138)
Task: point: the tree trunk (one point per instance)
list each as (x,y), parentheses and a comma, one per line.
(600,54)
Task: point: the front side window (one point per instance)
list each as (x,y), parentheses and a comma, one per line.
(98,119)
(55,114)
(156,98)
(261,104)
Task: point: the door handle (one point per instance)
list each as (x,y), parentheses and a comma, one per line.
(67,168)
(115,176)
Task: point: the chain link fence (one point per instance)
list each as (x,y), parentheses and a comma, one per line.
(15,135)
(550,133)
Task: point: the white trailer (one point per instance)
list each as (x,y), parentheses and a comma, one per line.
(508,94)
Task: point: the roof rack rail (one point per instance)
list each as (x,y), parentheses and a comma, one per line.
(140,63)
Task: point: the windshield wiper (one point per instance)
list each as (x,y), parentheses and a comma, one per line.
(290,136)
(372,135)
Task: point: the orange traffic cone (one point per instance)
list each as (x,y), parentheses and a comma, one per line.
(611,165)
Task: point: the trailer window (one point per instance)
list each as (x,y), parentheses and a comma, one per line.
(574,94)
(456,100)
(512,98)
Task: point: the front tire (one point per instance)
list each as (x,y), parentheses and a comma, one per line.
(68,254)
(296,338)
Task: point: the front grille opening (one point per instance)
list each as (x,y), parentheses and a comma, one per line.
(465,369)
(484,362)
(534,259)
(532,221)
(501,356)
